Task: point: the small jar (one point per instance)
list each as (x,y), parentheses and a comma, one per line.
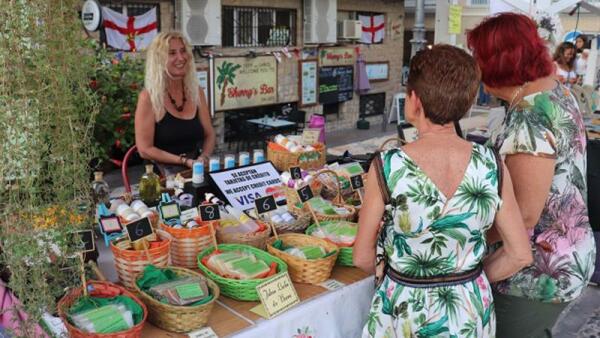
(229,161)
(258,156)
(214,163)
(243,158)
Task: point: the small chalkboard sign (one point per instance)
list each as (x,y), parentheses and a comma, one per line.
(305,193)
(209,212)
(265,204)
(87,237)
(296,173)
(110,224)
(356,182)
(139,229)
(169,211)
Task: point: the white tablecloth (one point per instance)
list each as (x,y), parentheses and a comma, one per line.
(340,313)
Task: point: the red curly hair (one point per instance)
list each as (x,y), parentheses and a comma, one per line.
(509,50)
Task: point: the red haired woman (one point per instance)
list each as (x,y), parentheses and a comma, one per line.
(543,141)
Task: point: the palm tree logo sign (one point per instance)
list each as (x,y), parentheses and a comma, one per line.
(226,77)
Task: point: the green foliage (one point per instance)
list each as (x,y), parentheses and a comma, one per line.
(116,81)
(46,121)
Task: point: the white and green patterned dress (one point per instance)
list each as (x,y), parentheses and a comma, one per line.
(427,234)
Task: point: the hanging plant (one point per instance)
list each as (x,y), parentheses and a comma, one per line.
(47,111)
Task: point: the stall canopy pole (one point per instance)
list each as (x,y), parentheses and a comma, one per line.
(418,41)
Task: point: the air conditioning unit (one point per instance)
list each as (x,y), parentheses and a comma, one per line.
(351,30)
(320,21)
(201,22)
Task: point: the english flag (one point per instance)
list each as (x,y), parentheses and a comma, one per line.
(129,32)
(373,28)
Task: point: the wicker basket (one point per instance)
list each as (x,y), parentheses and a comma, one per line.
(390,140)
(256,239)
(244,290)
(284,160)
(299,225)
(130,263)
(186,243)
(312,271)
(345,256)
(291,195)
(179,318)
(101,289)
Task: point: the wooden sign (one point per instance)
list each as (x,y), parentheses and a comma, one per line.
(205,332)
(378,71)
(336,57)
(209,212)
(139,229)
(307,86)
(87,237)
(296,173)
(305,193)
(310,135)
(169,211)
(356,182)
(265,204)
(277,294)
(110,224)
(336,84)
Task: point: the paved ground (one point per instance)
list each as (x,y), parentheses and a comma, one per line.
(581,319)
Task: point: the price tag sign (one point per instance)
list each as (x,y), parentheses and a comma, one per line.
(110,224)
(332,284)
(139,229)
(265,204)
(189,214)
(310,136)
(277,294)
(210,212)
(169,211)
(356,182)
(87,237)
(296,173)
(205,332)
(305,193)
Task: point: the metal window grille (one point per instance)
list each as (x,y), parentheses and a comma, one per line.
(130,9)
(258,27)
(479,2)
(371,104)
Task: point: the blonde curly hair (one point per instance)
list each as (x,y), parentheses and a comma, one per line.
(156,77)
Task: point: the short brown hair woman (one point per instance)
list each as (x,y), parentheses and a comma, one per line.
(543,141)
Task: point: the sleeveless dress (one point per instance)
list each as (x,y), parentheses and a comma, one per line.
(427,234)
(179,136)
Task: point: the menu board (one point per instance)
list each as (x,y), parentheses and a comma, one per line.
(308,83)
(335,84)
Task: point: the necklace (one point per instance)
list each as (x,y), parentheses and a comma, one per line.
(516,94)
(178,108)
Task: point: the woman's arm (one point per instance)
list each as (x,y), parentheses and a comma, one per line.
(515,252)
(532,178)
(208,145)
(144,134)
(369,222)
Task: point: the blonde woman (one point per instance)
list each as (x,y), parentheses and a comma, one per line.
(172,121)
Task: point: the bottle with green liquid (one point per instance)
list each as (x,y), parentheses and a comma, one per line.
(149,186)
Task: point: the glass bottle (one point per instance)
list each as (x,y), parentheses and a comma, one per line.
(149,186)
(100,189)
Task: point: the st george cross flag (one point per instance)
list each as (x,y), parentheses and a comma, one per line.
(129,32)
(373,28)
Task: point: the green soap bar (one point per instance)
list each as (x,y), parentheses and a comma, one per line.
(187,291)
(354,169)
(313,252)
(106,319)
(249,267)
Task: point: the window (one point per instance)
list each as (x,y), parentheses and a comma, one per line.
(258,27)
(130,9)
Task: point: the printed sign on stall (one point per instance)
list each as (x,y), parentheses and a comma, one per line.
(241,186)
(336,57)
(244,82)
(277,294)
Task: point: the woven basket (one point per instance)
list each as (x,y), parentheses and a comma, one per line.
(257,239)
(179,318)
(345,256)
(244,290)
(400,141)
(284,160)
(186,243)
(301,270)
(351,216)
(291,195)
(130,263)
(299,225)
(100,289)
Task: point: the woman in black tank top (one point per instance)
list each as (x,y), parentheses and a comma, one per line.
(172,122)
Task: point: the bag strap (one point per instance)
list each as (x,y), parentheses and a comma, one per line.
(383,187)
(499,167)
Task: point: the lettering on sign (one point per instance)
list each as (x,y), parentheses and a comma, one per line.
(305,193)
(310,135)
(210,212)
(356,182)
(296,173)
(169,210)
(189,214)
(205,332)
(277,294)
(139,229)
(265,204)
(110,224)
(332,284)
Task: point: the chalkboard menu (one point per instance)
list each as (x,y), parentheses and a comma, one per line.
(336,84)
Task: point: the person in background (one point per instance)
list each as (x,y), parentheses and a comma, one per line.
(437,197)
(173,126)
(543,141)
(580,43)
(564,59)
(581,58)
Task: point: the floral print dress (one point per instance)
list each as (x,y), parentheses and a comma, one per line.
(426,234)
(550,124)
